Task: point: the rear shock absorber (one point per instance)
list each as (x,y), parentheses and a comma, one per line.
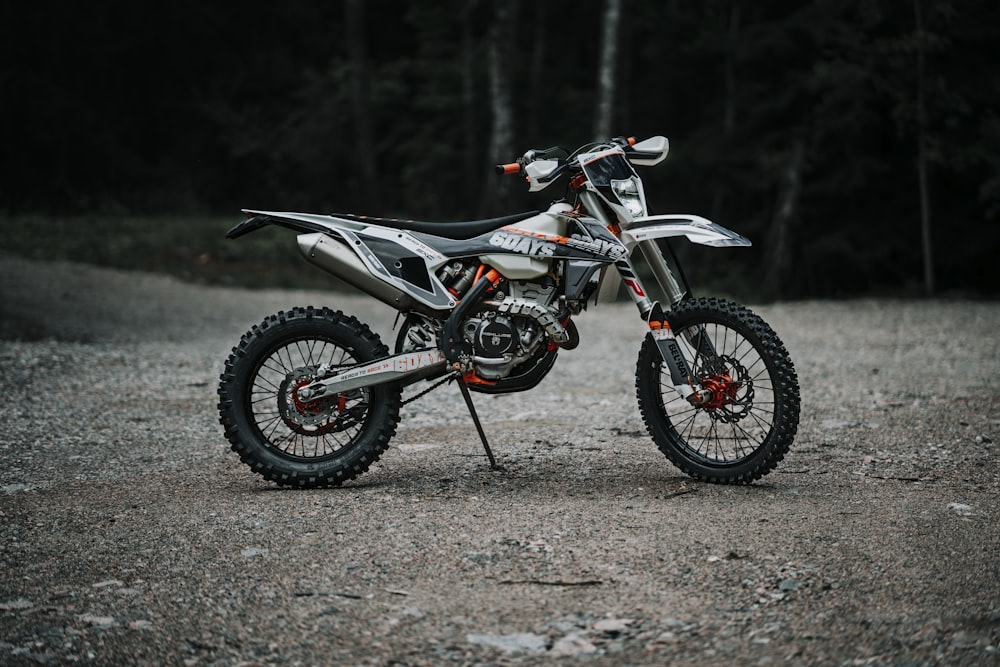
(457,277)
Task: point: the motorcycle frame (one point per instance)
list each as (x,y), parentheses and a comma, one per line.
(357,251)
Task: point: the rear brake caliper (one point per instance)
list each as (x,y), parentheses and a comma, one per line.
(319,416)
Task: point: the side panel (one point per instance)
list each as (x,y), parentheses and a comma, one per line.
(404,283)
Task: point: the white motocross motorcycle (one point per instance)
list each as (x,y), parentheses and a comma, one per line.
(310,397)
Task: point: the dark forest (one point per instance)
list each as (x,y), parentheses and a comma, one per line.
(854,141)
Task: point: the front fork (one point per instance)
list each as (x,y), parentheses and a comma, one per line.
(659,328)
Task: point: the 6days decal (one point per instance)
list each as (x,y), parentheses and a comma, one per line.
(611,249)
(540,244)
(525,245)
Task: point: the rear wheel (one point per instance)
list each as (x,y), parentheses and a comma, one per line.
(750,414)
(297,442)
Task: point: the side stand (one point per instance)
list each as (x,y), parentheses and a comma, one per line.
(475,418)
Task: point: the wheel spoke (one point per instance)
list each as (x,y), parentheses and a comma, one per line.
(747,408)
(304,430)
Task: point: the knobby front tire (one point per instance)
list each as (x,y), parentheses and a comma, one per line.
(292,441)
(737,359)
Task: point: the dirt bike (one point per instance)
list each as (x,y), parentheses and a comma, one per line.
(311,397)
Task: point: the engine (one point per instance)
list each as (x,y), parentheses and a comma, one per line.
(500,343)
(512,330)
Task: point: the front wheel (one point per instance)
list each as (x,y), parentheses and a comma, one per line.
(289,439)
(750,410)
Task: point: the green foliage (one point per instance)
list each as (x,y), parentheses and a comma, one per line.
(191,248)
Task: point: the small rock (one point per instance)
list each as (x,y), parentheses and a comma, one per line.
(960,509)
(613,626)
(789,585)
(572,645)
(254,552)
(525,642)
(481,557)
(15,605)
(963,639)
(97,621)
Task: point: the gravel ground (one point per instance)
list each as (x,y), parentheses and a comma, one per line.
(130,534)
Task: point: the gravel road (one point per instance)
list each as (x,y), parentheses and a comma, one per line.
(130,534)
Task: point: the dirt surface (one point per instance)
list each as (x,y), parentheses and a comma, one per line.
(132,535)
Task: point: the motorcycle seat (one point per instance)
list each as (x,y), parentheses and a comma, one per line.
(449,230)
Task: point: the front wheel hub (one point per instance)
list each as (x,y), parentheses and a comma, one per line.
(727,395)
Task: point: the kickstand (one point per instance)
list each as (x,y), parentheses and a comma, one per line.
(475,418)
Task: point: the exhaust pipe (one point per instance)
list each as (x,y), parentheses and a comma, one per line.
(334,256)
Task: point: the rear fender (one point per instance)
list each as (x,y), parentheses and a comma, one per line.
(696,228)
(299,222)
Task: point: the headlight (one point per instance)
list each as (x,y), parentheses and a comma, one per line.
(628,194)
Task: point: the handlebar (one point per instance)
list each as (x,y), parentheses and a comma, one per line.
(509,168)
(565,157)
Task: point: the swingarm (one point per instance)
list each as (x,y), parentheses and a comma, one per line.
(410,366)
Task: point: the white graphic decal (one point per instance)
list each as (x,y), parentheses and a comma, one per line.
(524,245)
(611,249)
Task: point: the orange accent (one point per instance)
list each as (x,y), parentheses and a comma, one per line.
(721,389)
(492,275)
(511,168)
(576,183)
(601,156)
(631,141)
(655,325)
(554,238)
(472,378)
(615,229)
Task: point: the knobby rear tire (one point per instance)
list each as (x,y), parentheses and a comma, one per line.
(268,425)
(748,432)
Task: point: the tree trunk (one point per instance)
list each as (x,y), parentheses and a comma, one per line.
(925,206)
(361,112)
(536,67)
(501,43)
(607,70)
(779,253)
(471,159)
(729,97)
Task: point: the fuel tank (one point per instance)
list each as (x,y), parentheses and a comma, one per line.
(522,267)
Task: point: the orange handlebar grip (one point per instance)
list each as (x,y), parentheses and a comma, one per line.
(509,168)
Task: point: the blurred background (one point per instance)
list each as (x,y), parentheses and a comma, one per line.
(854,141)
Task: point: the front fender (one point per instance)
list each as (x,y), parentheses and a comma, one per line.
(696,228)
